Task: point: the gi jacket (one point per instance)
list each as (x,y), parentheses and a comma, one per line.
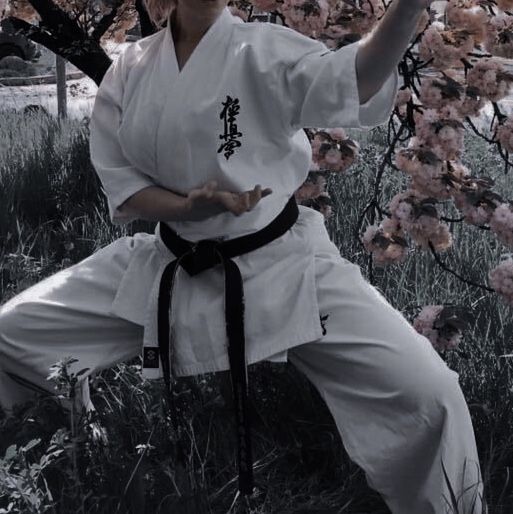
(234,113)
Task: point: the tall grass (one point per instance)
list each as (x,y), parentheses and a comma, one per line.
(53,214)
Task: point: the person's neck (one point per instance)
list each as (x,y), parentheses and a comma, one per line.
(189,26)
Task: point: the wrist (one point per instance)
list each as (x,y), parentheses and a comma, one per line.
(184,205)
(198,210)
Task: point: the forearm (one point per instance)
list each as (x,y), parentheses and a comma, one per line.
(160,204)
(156,204)
(379,55)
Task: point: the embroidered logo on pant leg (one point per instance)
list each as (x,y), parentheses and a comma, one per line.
(150,357)
(230,111)
(323,321)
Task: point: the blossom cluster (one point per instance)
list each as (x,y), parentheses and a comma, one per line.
(457,86)
(430,323)
(501,279)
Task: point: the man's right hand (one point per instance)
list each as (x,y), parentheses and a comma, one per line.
(208,201)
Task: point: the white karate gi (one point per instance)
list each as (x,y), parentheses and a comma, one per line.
(234,114)
(169,135)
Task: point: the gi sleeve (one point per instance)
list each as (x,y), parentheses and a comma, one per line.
(119,178)
(319,86)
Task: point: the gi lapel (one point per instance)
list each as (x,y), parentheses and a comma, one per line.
(186,92)
(208,41)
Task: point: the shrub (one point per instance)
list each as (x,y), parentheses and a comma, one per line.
(16,65)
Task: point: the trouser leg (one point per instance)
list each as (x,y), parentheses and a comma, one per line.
(398,407)
(66,314)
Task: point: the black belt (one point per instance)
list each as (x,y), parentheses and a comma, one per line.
(196,257)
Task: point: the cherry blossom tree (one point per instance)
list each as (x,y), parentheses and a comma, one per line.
(425,135)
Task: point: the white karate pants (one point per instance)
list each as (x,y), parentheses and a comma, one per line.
(398,408)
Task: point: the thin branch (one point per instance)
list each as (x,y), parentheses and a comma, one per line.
(446,268)
(452,220)
(476,131)
(377,190)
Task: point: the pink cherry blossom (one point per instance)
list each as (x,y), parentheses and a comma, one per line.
(501,279)
(501,223)
(424,325)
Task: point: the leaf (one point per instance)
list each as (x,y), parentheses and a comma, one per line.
(56,453)
(35,470)
(30,445)
(401,241)
(381,241)
(10,453)
(34,498)
(456,315)
(428,157)
(428,209)
(81,372)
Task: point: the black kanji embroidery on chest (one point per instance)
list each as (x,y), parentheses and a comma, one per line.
(323,321)
(231,108)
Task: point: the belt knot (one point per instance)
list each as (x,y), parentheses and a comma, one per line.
(203,254)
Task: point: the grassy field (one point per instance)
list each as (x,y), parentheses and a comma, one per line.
(52,215)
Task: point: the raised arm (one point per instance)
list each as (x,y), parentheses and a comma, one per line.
(319,87)
(380,53)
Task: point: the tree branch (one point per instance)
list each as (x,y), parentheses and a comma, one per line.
(463,279)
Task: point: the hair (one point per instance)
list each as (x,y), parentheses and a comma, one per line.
(159,10)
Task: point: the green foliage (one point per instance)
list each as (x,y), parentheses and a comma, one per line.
(23,483)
